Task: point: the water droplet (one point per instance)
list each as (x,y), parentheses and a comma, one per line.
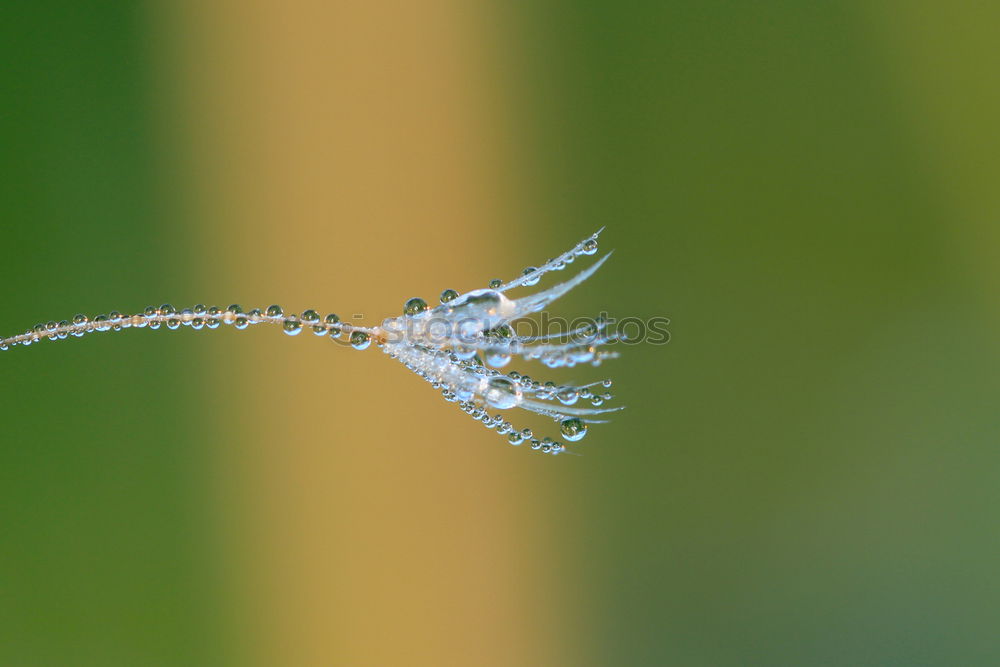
(360,340)
(503,331)
(201,310)
(275,311)
(536,444)
(186,316)
(464,353)
(501,393)
(515,438)
(333,324)
(497,358)
(311,318)
(495,283)
(607,383)
(79,320)
(292,326)
(448,295)
(101,321)
(486,299)
(414,306)
(531,281)
(567,396)
(173,323)
(573,429)
(241,322)
(197,323)
(235,309)
(589,247)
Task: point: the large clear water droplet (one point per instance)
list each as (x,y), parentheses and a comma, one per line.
(497,358)
(464,353)
(590,247)
(292,326)
(414,306)
(487,300)
(448,295)
(573,429)
(501,393)
(567,396)
(360,340)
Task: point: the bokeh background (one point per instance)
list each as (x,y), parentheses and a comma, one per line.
(806,475)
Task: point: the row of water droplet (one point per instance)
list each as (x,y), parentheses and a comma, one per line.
(198,317)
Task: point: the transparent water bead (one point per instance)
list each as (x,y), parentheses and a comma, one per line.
(497,358)
(311,318)
(414,306)
(567,396)
(573,429)
(292,325)
(78,320)
(589,247)
(360,340)
(495,283)
(531,281)
(448,295)
(487,300)
(275,311)
(501,393)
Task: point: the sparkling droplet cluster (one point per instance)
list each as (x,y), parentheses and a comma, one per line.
(458,346)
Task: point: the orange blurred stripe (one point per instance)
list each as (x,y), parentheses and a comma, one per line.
(346,155)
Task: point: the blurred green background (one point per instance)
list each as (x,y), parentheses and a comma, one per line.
(806,475)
